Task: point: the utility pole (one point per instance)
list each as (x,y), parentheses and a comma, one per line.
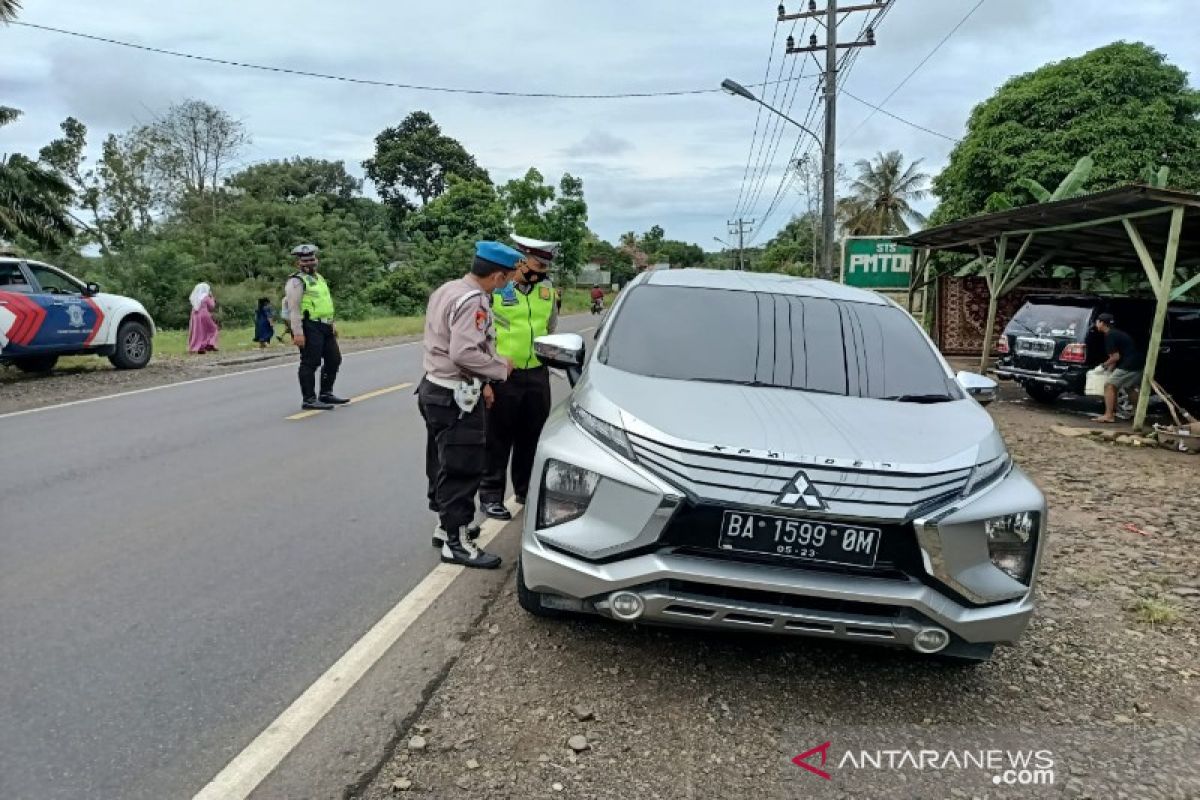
(740,227)
(829,149)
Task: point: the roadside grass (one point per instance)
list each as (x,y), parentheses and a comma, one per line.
(1155,611)
(174,343)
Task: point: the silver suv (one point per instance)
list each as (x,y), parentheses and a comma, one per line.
(757,452)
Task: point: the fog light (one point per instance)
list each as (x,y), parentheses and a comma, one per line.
(1012,543)
(930,640)
(626,606)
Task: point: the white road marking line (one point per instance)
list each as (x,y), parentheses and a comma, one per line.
(585,330)
(353,400)
(187,382)
(246,771)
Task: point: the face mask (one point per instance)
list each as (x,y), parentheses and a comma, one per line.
(534,278)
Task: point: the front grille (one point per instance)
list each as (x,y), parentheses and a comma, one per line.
(695,530)
(727,477)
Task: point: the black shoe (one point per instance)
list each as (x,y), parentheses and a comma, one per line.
(316,405)
(439,535)
(333,399)
(497,511)
(459,550)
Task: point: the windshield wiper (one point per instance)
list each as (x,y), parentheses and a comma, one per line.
(919,398)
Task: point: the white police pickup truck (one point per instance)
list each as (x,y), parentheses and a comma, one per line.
(46,313)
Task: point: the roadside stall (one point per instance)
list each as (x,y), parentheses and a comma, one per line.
(1133,228)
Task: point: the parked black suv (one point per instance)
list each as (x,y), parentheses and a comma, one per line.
(1051,343)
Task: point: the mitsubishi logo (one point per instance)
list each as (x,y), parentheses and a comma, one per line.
(800,493)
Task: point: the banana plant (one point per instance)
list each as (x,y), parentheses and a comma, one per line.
(1070,186)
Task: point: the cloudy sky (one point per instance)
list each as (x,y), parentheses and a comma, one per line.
(674,161)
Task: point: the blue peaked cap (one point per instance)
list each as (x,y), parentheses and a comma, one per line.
(498,253)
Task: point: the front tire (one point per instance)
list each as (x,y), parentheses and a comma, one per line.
(36,364)
(134,346)
(1043,393)
(531,601)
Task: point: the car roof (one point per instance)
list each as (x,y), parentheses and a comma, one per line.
(767,282)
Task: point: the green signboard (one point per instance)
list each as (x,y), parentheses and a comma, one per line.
(876,262)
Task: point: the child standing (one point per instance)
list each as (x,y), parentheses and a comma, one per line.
(264,322)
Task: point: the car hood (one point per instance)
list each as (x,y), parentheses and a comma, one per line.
(912,436)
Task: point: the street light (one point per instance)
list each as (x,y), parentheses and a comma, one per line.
(728,246)
(736,89)
(827,199)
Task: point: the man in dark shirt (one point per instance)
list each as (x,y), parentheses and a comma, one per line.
(1124,365)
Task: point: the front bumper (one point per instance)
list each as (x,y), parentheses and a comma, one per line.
(694,591)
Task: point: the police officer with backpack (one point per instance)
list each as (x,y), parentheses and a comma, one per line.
(309,308)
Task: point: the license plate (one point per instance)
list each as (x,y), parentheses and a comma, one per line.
(1037,348)
(804,539)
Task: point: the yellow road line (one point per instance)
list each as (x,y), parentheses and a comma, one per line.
(358,399)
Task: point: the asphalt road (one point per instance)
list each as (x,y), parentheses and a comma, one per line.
(177,566)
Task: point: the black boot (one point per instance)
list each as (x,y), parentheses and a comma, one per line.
(439,534)
(496,510)
(333,399)
(312,404)
(459,549)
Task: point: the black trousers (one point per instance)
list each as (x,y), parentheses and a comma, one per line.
(320,350)
(454,454)
(514,424)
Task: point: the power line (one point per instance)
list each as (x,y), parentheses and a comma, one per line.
(898,118)
(916,69)
(792,84)
(754,136)
(368,81)
(846,64)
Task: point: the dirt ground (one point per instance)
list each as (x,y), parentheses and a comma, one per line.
(91,376)
(1105,680)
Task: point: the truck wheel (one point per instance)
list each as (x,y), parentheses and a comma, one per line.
(36,364)
(133,346)
(1043,393)
(531,601)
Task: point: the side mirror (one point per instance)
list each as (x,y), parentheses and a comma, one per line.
(981,387)
(92,288)
(563,351)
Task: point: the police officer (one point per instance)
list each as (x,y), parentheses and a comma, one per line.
(310,310)
(525,309)
(460,356)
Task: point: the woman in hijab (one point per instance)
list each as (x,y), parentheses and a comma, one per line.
(202,330)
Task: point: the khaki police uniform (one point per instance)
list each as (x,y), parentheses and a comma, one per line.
(459,345)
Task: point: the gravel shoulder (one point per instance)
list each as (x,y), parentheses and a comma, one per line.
(1106,677)
(86,377)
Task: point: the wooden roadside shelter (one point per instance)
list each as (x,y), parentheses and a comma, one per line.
(1127,228)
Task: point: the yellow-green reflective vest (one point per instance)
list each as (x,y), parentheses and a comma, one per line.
(317,300)
(521,318)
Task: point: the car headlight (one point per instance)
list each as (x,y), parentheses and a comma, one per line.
(566,492)
(612,436)
(987,472)
(1012,543)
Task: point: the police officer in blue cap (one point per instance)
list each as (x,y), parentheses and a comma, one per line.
(460,364)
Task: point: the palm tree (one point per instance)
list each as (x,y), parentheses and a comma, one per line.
(33,200)
(881,197)
(9,9)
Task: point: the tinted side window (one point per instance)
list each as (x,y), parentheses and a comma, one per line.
(52,281)
(12,279)
(1184,324)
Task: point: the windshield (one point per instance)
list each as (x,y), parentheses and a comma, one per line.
(762,339)
(1049,320)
